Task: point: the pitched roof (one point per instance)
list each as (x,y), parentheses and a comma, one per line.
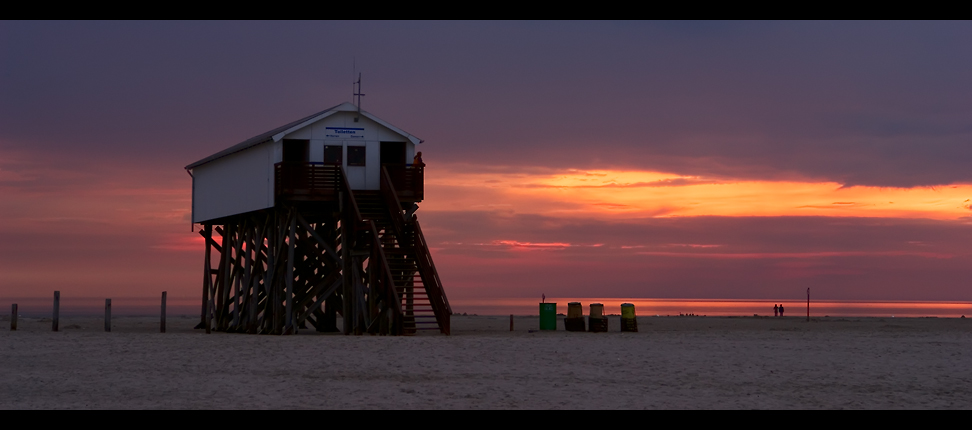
(279,132)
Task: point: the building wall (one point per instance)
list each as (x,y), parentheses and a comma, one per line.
(243,182)
(370,136)
(237,183)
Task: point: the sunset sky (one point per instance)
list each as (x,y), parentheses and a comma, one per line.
(712,160)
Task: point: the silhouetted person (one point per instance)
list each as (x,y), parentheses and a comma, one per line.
(776,310)
(781,309)
(417,160)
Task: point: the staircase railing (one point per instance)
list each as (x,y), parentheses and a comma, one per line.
(348,200)
(430,278)
(410,236)
(409,181)
(390,197)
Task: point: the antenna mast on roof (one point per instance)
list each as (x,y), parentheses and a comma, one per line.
(358,93)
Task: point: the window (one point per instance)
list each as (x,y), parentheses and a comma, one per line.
(296,150)
(392,153)
(333,154)
(356,155)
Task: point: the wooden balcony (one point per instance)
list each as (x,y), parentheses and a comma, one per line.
(321,182)
(409,181)
(307,181)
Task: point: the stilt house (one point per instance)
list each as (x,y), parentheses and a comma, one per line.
(313,219)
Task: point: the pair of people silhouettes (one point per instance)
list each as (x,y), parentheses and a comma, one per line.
(778,310)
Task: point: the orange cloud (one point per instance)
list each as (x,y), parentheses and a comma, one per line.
(639,194)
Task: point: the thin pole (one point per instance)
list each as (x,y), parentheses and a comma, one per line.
(57,305)
(511,322)
(108,315)
(13,317)
(162,324)
(808,305)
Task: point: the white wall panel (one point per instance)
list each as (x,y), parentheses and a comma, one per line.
(237,183)
(316,151)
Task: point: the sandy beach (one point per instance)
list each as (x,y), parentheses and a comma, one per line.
(671,363)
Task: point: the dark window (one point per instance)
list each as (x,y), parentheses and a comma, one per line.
(392,152)
(356,156)
(296,150)
(332,154)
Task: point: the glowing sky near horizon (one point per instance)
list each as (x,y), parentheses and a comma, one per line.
(698,160)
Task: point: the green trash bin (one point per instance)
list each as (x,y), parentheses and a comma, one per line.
(548,316)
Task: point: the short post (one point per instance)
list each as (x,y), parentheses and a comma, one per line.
(13,317)
(162,324)
(107,315)
(57,305)
(511,321)
(209,317)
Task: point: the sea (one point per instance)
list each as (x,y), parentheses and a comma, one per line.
(721,307)
(140,306)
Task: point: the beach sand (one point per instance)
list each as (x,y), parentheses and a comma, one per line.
(671,363)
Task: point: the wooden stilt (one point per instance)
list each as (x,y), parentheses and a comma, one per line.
(206,316)
(306,262)
(289,326)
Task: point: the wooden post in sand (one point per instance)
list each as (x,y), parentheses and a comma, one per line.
(57,305)
(108,315)
(808,305)
(13,317)
(162,324)
(511,321)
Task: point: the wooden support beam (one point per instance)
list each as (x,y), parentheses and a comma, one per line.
(216,305)
(207,280)
(244,237)
(347,282)
(327,247)
(209,239)
(289,326)
(268,276)
(332,286)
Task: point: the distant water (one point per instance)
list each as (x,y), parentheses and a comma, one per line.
(121,306)
(647,307)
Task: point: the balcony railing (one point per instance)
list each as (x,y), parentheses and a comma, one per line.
(307,181)
(322,181)
(409,181)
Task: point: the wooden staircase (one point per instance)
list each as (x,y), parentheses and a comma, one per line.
(423,303)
